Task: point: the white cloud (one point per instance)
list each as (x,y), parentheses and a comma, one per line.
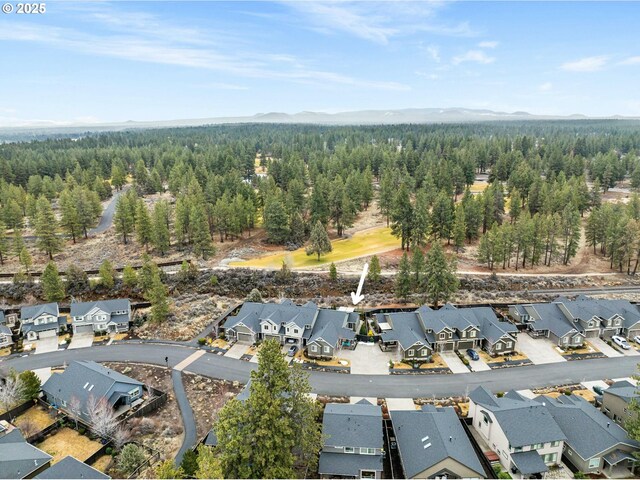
(476,56)
(492,44)
(631,61)
(434,53)
(430,76)
(545,87)
(587,64)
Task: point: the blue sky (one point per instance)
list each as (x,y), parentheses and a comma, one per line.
(114,61)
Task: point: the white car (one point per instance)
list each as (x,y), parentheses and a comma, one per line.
(621,342)
(637,339)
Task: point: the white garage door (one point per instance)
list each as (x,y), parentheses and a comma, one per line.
(245,338)
(47,333)
(84,329)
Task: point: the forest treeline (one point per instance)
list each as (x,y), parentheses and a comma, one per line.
(544,177)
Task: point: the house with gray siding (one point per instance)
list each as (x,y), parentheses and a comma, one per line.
(420,333)
(19,459)
(616,401)
(594,444)
(549,320)
(353,445)
(101,316)
(85,382)
(43,320)
(433,444)
(8,319)
(6,336)
(521,431)
(321,331)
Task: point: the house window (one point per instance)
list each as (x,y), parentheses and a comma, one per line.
(410,353)
(367,451)
(327,349)
(450,334)
(509,344)
(349,450)
(498,346)
(555,444)
(425,352)
(472,334)
(537,446)
(594,462)
(134,392)
(550,458)
(295,330)
(314,348)
(565,340)
(517,449)
(442,336)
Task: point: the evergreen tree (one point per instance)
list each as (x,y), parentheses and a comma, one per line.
(157,295)
(161,236)
(70,220)
(107,274)
(4,243)
(374,270)
(319,242)
(45,226)
(387,195)
(417,268)
(200,233)
(189,463)
(403,278)
(333,273)
(459,227)
(124,218)
(296,229)
(441,280)
(208,464)
(168,470)
(442,217)
(30,385)
(144,230)
(129,276)
(402,217)
(52,285)
(276,221)
(25,259)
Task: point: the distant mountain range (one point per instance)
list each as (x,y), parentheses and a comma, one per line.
(361,117)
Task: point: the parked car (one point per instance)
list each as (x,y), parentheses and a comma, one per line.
(473,354)
(621,342)
(292,350)
(636,339)
(598,389)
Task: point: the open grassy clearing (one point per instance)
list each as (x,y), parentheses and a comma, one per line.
(69,442)
(368,242)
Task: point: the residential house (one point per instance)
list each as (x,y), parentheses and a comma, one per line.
(6,336)
(72,469)
(616,400)
(330,332)
(8,319)
(19,459)
(419,333)
(433,444)
(594,444)
(549,320)
(568,322)
(353,446)
(84,382)
(521,431)
(323,330)
(101,316)
(40,321)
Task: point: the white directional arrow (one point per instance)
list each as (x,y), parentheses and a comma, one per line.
(357,297)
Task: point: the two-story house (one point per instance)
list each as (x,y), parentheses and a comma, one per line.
(432,444)
(353,445)
(101,316)
(594,444)
(322,331)
(8,319)
(6,336)
(41,321)
(83,383)
(549,320)
(417,334)
(616,401)
(521,431)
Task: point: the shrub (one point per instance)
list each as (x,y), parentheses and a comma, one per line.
(500,394)
(202,341)
(567,392)
(213,281)
(130,458)
(579,474)
(81,431)
(109,451)
(147,425)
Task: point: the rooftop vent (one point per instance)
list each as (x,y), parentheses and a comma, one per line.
(424,439)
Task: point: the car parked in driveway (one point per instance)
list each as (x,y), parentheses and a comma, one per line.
(621,342)
(637,339)
(473,354)
(292,350)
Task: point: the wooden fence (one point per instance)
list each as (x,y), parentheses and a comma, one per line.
(9,415)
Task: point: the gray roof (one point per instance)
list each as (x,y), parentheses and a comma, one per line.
(36,310)
(549,316)
(440,429)
(79,374)
(623,389)
(18,459)
(493,329)
(79,309)
(251,313)
(575,416)
(529,462)
(524,421)
(43,327)
(2,319)
(406,329)
(347,464)
(353,425)
(4,330)
(70,468)
(586,308)
(211,440)
(330,326)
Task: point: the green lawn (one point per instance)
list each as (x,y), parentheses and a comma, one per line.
(368,242)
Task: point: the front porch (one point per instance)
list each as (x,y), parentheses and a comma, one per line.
(619,464)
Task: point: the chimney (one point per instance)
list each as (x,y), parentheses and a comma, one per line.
(608,423)
(450,438)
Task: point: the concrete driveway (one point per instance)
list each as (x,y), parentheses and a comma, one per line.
(46,344)
(367,359)
(237,350)
(477,365)
(453,362)
(81,340)
(604,348)
(395,404)
(539,350)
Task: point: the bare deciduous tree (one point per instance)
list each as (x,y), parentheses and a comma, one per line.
(11,392)
(120,436)
(28,428)
(101,417)
(75,408)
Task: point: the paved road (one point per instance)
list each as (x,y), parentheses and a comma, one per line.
(107,215)
(188,420)
(217,366)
